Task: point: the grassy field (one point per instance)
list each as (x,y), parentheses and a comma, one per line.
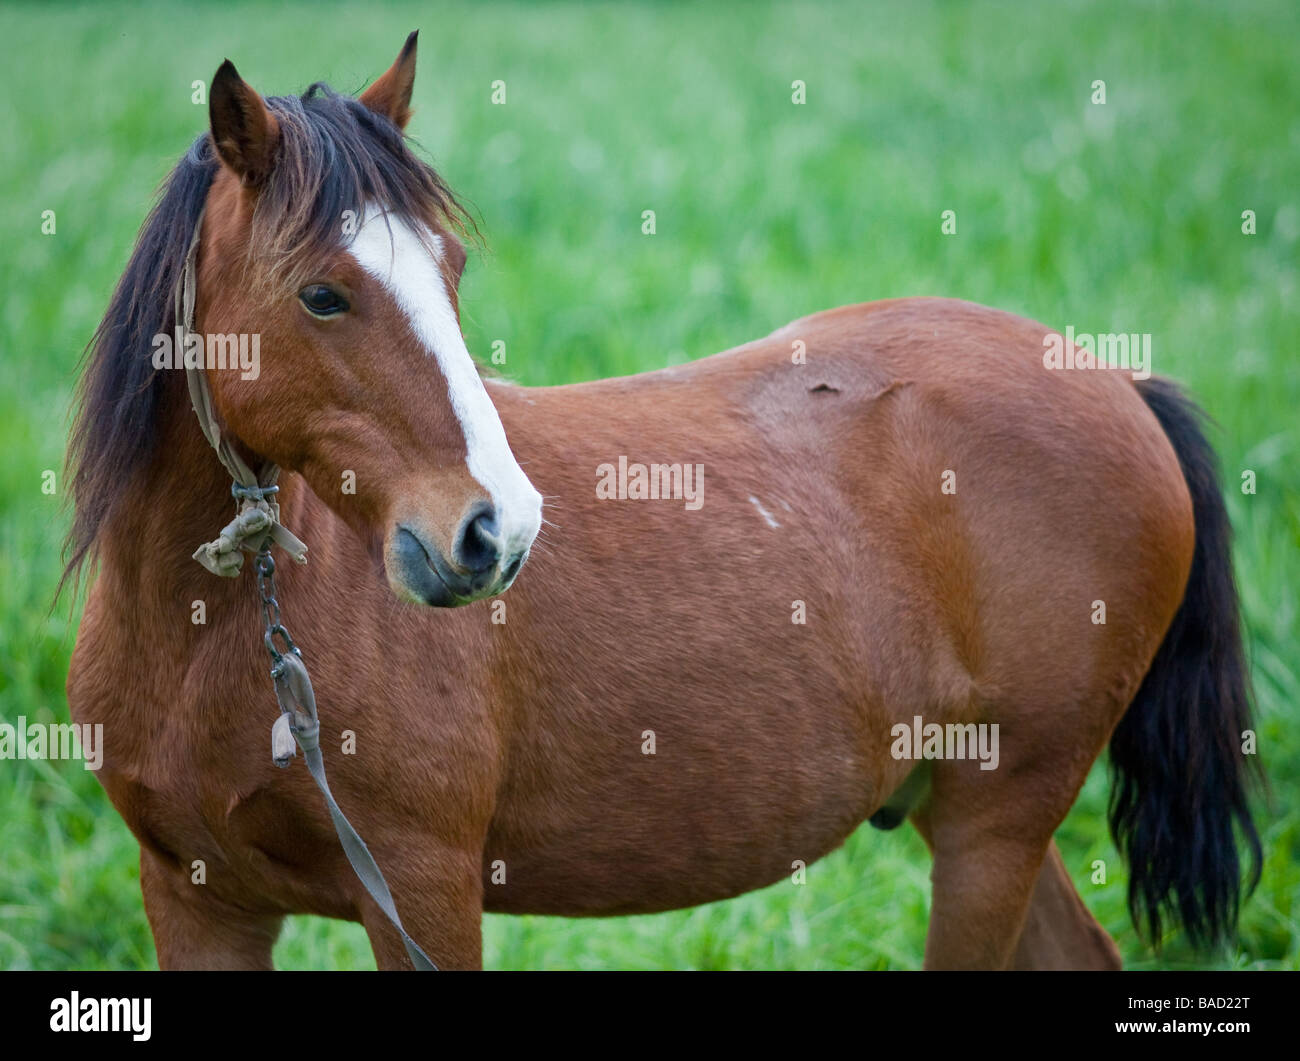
(1122,216)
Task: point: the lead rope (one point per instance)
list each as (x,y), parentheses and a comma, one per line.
(255,528)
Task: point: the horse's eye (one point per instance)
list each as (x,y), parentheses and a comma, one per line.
(321,301)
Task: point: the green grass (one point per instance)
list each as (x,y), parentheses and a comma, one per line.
(1123,217)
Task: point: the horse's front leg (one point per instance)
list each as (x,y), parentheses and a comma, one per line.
(439,897)
(192,929)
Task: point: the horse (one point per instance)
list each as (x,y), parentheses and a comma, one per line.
(887,515)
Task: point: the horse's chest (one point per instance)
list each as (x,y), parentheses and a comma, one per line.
(195,788)
(166,823)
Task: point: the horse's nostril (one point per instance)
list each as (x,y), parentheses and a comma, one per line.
(513,568)
(478,548)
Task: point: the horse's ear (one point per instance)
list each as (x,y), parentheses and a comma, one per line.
(391,94)
(244,131)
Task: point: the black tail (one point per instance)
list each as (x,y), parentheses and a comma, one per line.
(1180,778)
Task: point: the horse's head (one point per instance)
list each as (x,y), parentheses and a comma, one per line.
(326,238)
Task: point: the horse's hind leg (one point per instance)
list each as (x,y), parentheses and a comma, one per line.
(1060,932)
(194,930)
(991,834)
(982,882)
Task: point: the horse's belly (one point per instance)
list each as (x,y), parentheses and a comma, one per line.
(703,719)
(680,827)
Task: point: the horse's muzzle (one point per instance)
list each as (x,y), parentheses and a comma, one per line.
(418,570)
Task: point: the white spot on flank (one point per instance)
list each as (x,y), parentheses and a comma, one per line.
(403,264)
(763,512)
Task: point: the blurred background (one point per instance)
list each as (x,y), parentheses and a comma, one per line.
(1121,216)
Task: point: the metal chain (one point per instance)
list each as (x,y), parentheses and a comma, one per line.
(264,566)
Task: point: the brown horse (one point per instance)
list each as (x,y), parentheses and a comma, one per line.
(689,691)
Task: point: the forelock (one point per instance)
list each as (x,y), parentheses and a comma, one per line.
(335,157)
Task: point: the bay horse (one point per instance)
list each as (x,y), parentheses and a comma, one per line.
(914,519)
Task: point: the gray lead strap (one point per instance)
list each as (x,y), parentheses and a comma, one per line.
(298,702)
(363,862)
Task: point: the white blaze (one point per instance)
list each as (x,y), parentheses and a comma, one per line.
(394,254)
